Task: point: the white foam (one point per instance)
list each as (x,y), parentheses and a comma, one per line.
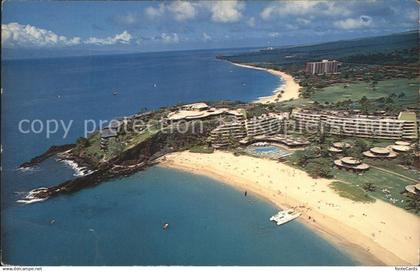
(29,201)
(78,170)
(31,197)
(27,169)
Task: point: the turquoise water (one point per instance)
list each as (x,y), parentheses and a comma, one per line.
(269,151)
(119,222)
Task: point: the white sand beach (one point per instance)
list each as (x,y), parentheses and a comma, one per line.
(290,88)
(374,233)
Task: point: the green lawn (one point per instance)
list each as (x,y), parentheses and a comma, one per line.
(388,177)
(300,102)
(388,186)
(94,149)
(356,91)
(115,145)
(133,139)
(391,165)
(351,192)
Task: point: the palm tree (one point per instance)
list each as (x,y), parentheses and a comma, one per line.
(369,187)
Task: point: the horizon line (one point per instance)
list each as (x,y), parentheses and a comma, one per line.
(116,52)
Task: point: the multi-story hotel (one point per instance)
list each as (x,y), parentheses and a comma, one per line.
(224,134)
(403,126)
(322,67)
(264,125)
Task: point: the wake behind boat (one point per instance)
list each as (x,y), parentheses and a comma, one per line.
(283,217)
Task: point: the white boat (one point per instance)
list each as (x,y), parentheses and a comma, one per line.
(285,216)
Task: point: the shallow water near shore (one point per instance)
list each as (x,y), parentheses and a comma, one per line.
(120,222)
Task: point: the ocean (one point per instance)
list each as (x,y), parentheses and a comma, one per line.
(120,222)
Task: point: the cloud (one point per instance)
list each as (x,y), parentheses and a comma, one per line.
(127,19)
(206,37)
(284,8)
(303,21)
(220,11)
(413,15)
(274,34)
(182,10)
(153,12)
(169,38)
(351,23)
(15,34)
(122,38)
(292,26)
(251,22)
(226,11)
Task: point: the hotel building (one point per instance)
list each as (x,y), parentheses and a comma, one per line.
(403,126)
(269,124)
(322,67)
(224,134)
(264,125)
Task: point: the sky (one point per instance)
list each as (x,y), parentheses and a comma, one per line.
(183,25)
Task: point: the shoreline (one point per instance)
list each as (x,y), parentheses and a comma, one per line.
(356,236)
(290,87)
(79,171)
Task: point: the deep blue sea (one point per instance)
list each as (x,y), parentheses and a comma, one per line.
(120,222)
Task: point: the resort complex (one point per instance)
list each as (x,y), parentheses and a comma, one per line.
(234,127)
(335,145)
(403,126)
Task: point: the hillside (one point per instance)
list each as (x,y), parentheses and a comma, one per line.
(339,50)
(381,69)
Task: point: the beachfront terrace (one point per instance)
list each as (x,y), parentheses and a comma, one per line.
(286,140)
(339,147)
(351,163)
(380,153)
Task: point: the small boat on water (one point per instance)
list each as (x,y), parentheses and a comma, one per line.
(283,217)
(115,92)
(165,226)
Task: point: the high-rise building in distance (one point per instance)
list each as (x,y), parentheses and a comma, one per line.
(322,67)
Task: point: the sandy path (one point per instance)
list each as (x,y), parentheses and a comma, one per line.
(290,87)
(375,233)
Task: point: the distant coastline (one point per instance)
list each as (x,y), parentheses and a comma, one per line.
(374,234)
(286,91)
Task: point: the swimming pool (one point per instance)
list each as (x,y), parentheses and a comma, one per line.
(270,151)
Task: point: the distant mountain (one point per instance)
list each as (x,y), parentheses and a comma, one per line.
(330,50)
